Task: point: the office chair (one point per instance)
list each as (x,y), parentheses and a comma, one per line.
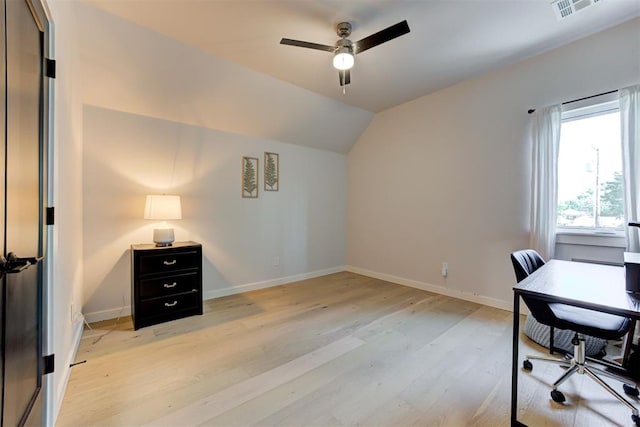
(582,322)
(524,263)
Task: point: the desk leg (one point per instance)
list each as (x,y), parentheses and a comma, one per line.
(514,361)
(626,345)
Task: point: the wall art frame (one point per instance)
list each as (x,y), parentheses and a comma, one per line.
(271,171)
(250,177)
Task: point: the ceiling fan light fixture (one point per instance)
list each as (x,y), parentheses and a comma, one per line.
(343,59)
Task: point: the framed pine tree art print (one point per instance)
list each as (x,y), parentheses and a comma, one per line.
(271,171)
(250,177)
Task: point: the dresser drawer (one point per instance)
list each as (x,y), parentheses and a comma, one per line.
(169,285)
(174,261)
(172,304)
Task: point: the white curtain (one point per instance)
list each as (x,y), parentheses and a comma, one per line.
(544,182)
(630,122)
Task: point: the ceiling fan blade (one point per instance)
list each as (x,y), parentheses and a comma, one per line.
(309,45)
(345,77)
(382,36)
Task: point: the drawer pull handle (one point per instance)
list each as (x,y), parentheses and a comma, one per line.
(169,262)
(171,304)
(169,286)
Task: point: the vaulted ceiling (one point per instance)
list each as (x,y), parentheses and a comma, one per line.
(450,40)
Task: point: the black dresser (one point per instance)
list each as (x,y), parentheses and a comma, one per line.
(166,282)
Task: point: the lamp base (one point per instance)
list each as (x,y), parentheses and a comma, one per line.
(163,236)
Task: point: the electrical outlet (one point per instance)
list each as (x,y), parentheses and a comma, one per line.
(445,269)
(276,261)
(74,314)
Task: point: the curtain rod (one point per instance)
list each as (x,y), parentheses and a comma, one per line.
(532,110)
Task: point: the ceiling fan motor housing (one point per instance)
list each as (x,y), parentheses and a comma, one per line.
(343,29)
(344,43)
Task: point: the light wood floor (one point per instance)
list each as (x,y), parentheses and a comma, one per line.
(339,350)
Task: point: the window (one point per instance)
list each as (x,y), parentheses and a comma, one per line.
(590,193)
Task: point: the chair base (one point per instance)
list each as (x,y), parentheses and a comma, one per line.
(578,364)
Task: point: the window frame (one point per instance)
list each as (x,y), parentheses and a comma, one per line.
(578,110)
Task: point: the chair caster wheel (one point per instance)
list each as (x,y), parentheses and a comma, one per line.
(527,365)
(631,391)
(557,396)
(636,420)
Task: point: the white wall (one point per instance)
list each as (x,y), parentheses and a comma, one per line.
(133,69)
(66,275)
(138,139)
(446,176)
(599,248)
(127,156)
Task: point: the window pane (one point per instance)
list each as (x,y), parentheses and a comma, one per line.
(590,173)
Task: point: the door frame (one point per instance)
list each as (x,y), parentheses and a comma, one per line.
(44,22)
(3,129)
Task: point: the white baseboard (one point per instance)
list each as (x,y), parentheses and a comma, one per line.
(109,314)
(64,369)
(232,290)
(480,299)
(113,313)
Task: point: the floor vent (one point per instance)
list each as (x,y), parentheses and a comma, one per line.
(564,8)
(593,261)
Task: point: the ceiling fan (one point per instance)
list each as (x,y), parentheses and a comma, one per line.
(344,50)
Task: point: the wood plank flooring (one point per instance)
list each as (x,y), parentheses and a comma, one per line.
(338,350)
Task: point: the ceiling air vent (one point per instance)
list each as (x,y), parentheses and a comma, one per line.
(564,8)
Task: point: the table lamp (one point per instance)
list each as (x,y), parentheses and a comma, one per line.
(163,208)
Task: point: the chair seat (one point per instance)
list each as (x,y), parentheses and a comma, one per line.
(590,322)
(562,338)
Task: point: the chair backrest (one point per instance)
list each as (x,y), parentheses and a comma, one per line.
(525,262)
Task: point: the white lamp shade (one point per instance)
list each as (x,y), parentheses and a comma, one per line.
(163,207)
(343,59)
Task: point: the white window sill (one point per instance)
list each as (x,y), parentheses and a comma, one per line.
(591,238)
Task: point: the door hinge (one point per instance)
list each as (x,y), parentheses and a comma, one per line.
(49,364)
(50,68)
(51,217)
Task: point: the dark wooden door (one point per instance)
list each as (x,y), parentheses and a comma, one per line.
(23,214)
